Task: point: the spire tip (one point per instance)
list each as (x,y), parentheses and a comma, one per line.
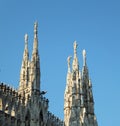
(75,48)
(84,57)
(35,24)
(84,53)
(26,38)
(35,29)
(75,45)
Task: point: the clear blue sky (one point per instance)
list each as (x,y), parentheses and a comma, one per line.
(94,24)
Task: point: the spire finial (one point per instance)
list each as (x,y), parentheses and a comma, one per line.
(75,64)
(35,43)
(68,59)
(26,41)
(26,38)
(35,29)
(75,48)
(84,57)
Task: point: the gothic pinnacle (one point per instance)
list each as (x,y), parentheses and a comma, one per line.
(75,49)
(35,43)
(35,29)
(75,64)
(84,57)
(78,97)
(85,72)
(35,65)
(26,41)
(68,59)
(26,54)
(24,67)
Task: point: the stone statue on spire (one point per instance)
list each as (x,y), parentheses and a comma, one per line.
(26,41)
(75,48)
(68,59)
(36,25)
(75,45)
(84,57)
(35,29)
(26,38)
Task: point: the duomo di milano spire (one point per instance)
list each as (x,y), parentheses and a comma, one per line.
(78,97)
(28,107)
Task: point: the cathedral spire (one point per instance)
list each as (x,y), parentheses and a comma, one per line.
(68,59)
(75,64)
(84,57)
(35,63)
(72,92)
(85,78)
(35,44)
(68,79)
(26,54)
(75,49)
(35,29)
(78,97)
(85,69)
(24,67)
(26,42)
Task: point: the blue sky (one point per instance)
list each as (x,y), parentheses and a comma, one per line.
(95,25)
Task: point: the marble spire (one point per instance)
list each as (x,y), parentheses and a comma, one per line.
(24,67)
(78,97)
